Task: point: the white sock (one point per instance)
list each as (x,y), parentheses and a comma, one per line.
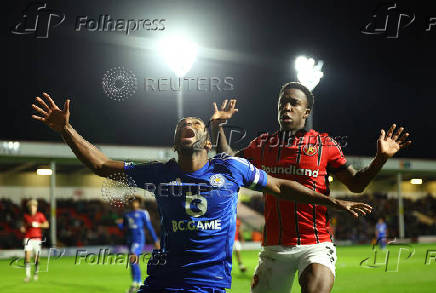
(27,270)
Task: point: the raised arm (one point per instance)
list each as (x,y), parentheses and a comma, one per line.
(388,144)
(88,154)
(292,190)
(219,118)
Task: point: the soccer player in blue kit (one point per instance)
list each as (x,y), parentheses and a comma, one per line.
(381,232)
(197,199)
(133,224)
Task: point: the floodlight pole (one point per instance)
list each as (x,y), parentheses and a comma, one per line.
(180,104)
(400,207)
(53,204)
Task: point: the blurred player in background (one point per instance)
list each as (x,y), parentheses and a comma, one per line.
(237,245)
(197,199)
(33,224)
(381,232)
(296,235)
(133,224)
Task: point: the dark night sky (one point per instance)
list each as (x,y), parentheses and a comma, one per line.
(370,81)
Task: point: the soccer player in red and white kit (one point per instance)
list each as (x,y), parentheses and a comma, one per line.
(296,235)
(33,224)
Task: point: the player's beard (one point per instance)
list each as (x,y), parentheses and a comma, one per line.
(198,145)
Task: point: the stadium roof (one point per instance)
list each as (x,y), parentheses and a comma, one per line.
(18,156)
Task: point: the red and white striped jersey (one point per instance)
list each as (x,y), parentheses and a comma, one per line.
(306,157)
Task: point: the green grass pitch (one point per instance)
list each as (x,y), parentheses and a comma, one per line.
(411,275)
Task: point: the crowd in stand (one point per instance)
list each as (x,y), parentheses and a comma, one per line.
(362,230)
(79,222)
(93,222)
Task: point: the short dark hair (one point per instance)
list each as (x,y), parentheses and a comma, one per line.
(296,85)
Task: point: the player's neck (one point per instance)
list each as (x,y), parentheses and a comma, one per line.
(193,161)
(291,132)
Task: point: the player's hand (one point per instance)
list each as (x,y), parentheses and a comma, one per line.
(354,208)
(22,229)
(50,114)
(225,112)
(119,221)
(388,144)
(157,244)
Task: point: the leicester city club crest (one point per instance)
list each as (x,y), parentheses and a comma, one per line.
(217,180)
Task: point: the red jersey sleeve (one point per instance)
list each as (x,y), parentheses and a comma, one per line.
(27,220)
(42,218)
(336,159)
(252,151)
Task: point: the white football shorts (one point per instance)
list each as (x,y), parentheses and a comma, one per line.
(32,244)
(277,265)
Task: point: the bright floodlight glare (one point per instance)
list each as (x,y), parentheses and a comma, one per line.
(308,73)
(44,172)
(416,181)
(179,53)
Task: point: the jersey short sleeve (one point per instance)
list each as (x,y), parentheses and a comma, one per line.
(246,174)
(41,217)
(146,216)
(336,159)
(143,173)
(252,150)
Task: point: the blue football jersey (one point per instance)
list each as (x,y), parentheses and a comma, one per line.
(135,222)
(381,229)
(198,218)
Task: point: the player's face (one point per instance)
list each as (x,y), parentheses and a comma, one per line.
(191,134)
(135,205)
(292,109)
(33,209)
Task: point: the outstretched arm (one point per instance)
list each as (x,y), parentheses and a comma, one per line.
(219,118)
(292,190)
(88,154)
(388,144)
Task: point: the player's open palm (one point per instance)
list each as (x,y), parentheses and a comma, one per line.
(354,208)
(226,111)
(50,114)
(390,143)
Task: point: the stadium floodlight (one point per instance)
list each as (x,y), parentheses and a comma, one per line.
(308,73)
(179,53)
(416,181)
(44,172)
